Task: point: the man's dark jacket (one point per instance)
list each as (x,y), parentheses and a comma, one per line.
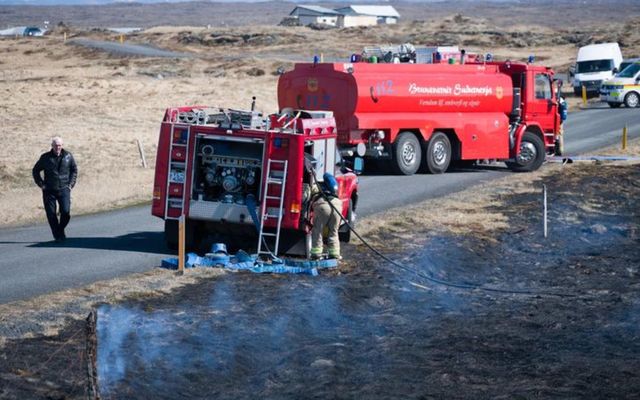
(60,171)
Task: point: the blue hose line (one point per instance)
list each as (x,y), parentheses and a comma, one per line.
(251,204)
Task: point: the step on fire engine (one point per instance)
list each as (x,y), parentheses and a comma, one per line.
(233,174)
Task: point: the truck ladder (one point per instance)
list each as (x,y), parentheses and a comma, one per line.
(273,180)
(169,201)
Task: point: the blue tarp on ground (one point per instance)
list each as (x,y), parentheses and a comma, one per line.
(245,262)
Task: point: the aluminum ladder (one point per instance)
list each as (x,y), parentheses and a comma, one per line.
(173,175)
(273,180)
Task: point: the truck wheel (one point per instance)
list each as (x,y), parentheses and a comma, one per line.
(614,105)
(438,154)
(171,234)
(631,100)
(531,154)
(406,154)
(345,235)
(559,146)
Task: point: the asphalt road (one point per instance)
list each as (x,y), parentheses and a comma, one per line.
(118,243)
(126,49)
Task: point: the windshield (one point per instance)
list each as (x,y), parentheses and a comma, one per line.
(624,65)
(630,71)
(594,66)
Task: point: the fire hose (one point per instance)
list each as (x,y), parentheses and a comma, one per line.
(429,278)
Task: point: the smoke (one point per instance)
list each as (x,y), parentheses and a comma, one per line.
(259,335)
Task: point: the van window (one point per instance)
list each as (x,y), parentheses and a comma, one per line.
(630,71)
(543,87)
(594,66)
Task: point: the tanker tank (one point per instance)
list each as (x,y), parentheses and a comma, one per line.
(353,89)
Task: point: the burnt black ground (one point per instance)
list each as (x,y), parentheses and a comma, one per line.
(371,332)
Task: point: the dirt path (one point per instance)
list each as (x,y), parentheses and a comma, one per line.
(126,49)
(374,331)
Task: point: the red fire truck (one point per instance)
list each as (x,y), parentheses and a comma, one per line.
(424,116)
(234,174)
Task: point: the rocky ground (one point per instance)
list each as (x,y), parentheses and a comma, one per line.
(560,318)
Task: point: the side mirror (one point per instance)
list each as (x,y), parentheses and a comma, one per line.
(358,165)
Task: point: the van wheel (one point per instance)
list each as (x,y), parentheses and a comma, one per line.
(631,100)
(531,154)
(438,154)
(614,105)
(407,154)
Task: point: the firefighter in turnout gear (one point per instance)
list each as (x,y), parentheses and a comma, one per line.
(326,194)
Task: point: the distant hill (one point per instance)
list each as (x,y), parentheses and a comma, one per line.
(147,13)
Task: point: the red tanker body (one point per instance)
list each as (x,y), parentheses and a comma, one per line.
(432,114)
(228,172)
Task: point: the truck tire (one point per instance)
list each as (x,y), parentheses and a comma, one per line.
(438,154)
(614,105)
(632,100)
(531,154)
(407,154)
(558,148)
(171,234)
(345,235)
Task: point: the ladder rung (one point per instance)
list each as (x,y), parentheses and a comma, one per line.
(273,177)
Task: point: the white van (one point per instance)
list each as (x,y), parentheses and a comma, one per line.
(595,64)
(624,88)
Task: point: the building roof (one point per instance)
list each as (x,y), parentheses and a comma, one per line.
(314,10)
(378,11)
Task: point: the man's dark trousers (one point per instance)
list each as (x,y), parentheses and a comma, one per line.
(51,199)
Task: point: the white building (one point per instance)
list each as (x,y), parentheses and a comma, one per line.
(364,14)
(308,15)
(346,16)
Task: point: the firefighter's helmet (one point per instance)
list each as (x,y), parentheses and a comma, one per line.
(329,184)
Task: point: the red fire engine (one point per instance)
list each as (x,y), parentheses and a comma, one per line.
(234,174)
(428,115)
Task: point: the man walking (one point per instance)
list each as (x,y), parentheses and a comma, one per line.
(60,173)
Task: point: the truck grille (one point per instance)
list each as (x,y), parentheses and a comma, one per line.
(591,85)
